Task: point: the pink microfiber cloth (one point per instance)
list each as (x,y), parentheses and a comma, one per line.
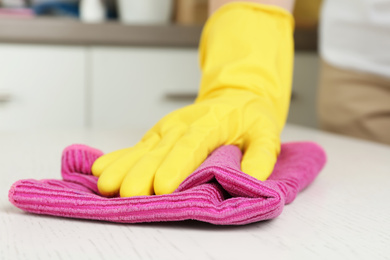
(217,192)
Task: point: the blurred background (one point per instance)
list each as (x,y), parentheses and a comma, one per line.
(119,64)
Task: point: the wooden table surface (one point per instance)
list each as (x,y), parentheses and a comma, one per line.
(344,214)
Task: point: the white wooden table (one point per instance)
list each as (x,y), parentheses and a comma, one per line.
(344,214)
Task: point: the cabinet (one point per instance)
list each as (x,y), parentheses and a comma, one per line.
(41,86)
(135,87)
(44,86)
(60,73)
(305,81)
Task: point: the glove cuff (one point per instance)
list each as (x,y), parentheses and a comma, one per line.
(249,46)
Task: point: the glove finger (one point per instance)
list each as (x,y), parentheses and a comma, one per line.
(104,161)
(111,179)
(260,153)
(139,180)
(186,155)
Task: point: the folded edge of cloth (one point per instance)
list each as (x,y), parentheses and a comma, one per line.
(218,192)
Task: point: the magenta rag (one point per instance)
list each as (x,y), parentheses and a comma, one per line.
(218,192)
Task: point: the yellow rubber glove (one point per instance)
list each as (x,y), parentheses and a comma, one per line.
(246,54)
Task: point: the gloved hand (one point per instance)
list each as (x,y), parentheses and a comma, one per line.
(246,55)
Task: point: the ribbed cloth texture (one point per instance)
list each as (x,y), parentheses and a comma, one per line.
(218,192)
